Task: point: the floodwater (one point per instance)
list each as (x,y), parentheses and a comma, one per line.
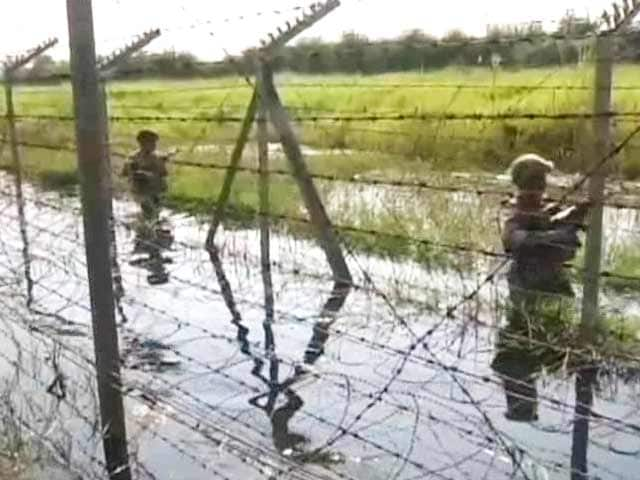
(392,388)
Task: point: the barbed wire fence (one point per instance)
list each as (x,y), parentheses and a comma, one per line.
(386,372)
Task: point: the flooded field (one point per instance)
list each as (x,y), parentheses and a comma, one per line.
(391,388)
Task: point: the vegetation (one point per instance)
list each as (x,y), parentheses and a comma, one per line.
(469,145)
(357,54)
(427,150)
(624,260)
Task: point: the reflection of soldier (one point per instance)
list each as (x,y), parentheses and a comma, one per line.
(283,438)
(147,172)
(153,241)
(539,239)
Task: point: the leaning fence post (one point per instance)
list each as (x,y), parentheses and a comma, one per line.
(95,195)
(320,220)
(263,191)
(10,68)
(230,175)
(279,119)
(276,42)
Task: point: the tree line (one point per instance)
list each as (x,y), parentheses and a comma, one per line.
(508,46)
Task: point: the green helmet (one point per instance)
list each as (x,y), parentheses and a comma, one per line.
(529,171)
(147,136)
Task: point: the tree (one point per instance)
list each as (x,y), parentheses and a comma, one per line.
(42,67)
(350,53)
(571,25)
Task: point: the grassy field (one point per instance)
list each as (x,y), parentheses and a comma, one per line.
(387,149)
(464,145)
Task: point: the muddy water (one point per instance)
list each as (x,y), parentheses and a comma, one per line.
(206,397)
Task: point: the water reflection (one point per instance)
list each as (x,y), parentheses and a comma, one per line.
(544,340)
(153,236)
(286,441)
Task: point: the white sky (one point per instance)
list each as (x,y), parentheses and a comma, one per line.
(188,25)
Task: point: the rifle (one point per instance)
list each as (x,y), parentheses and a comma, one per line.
(573,216)
(167,157)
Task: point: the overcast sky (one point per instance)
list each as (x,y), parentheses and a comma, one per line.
(199,26)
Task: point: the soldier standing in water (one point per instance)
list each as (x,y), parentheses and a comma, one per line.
(540,239)
(147,173)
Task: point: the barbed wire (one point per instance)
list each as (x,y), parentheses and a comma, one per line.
(451,247)
(241,85)
(390,85)
(357,179)
(359,437)
(192,284)
(428,350)
(238,18)
(450,310)
(397,117)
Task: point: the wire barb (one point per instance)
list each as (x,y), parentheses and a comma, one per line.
(317,12)
(13,64)
(111,62)
(621,17)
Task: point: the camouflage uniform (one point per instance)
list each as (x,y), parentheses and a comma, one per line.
(147,172)
(540,291)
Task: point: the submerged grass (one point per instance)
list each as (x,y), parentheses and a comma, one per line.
(624,260)
(412,224)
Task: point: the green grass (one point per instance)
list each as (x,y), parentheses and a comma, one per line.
(446,145)
(624,260)
(416,150)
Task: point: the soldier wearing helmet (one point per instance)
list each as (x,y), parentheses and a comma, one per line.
(147,172)
(539,239)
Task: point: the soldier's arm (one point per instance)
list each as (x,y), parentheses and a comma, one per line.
(558,244)
(574,215)
(127,168)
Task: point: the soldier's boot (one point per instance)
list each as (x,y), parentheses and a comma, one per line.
(522,400)
(315,348)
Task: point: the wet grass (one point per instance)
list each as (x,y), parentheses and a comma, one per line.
(416,150)
(624,261)
(411,224)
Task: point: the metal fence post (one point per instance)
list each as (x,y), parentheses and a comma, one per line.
(107,67)
(9,68)
(602,133)
(17,178)
(265,246)
(590,320)
(95,196)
